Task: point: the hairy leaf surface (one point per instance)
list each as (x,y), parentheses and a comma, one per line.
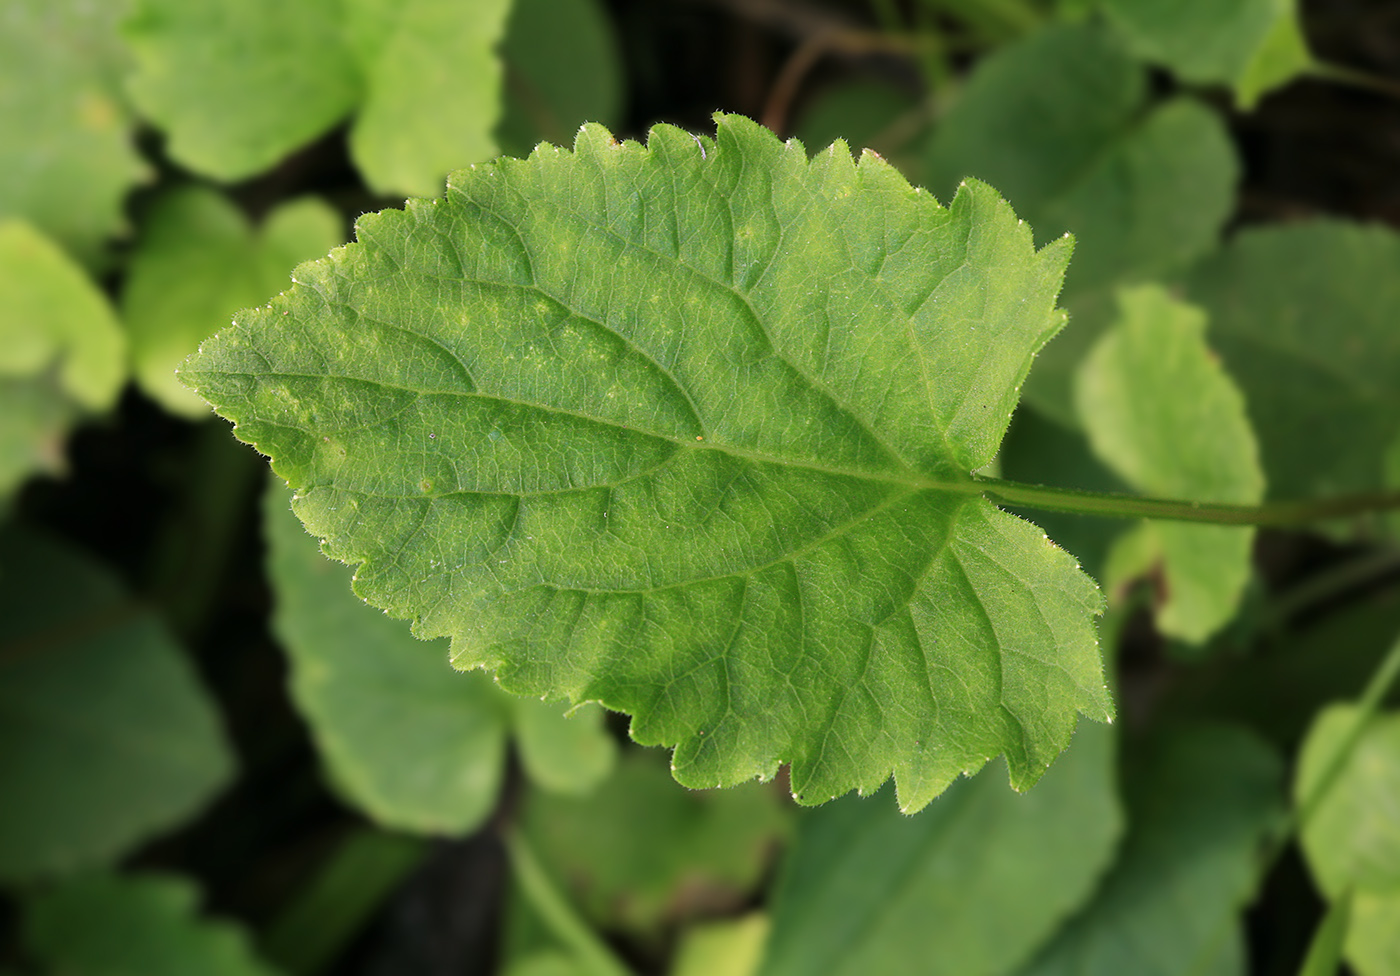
(1161,412)
(374,695)
(685,429)
(106,737)
(105,925)
(973,884)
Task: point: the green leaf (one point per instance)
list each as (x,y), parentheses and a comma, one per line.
(973,884)
(684,429)
(1251,45)
(238,84)
(103,925)
(639,851)
(1161,412)
(733,947)
(432,89)
(198,262)
(106,738)
(562,69)
(1352,840)
(372,695)
(1324,956)
(62,352)
(1061,123)
(1201,802)
(1303,317)
(65,140)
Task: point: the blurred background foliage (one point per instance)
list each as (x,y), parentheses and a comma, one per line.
(215,759)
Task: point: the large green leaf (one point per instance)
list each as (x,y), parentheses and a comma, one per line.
(973,884)
(1352,838)
(1061,123)
(374,695)
(639,852)
(145,925)
(239,84)
(62,352)
(1304,318)
(1201,802)
(105,735)
(1161,412)
(1251,45)
(196,264)
(685,429)
(65,140)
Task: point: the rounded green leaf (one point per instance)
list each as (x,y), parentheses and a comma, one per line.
(1162,413)
(106,737)
(685,429)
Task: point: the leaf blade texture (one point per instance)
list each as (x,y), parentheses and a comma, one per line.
(105,733)
(1161,411)
(631,425)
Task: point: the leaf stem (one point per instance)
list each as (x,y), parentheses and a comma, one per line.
(1111,505)
(555,911)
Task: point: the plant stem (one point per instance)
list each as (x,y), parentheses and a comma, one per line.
(556,912)
(1357,79)
(1109,505)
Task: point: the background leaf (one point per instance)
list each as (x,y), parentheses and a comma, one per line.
(236,85)
(197,263)
(658,488)
(638,854)
(1201,801)
(1352,840)
(1252,45)
(432,89)
(562,69)
(65,138)
(104,925)
(106,738)
(1303,318)
(374,694)
(973,884)
(62,352)
(1060,123)
(1161,412)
